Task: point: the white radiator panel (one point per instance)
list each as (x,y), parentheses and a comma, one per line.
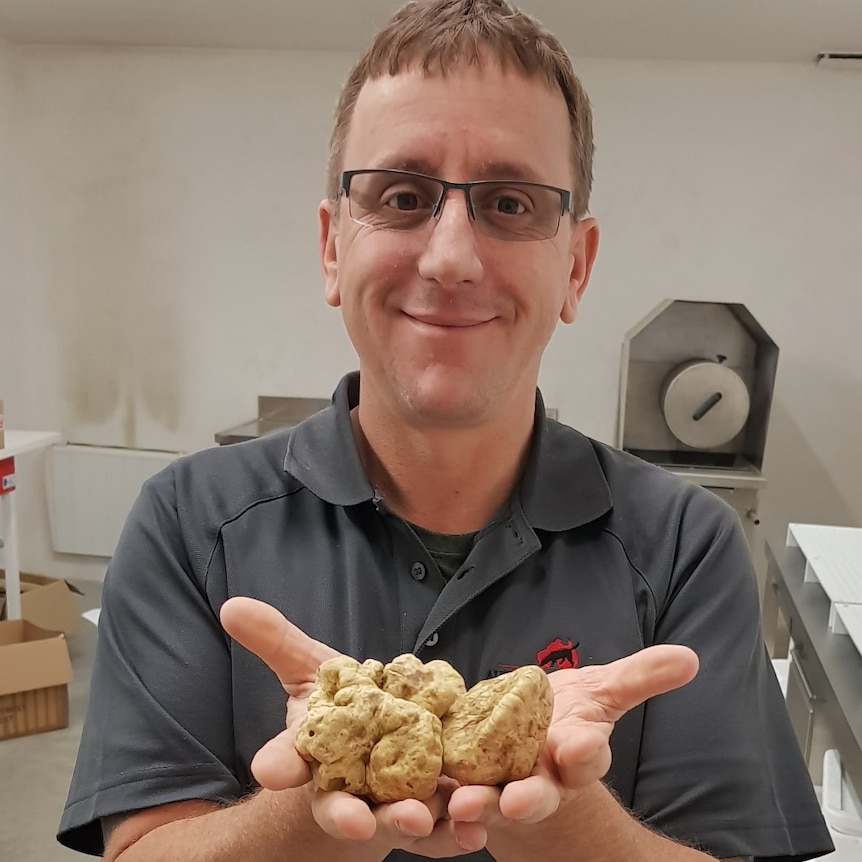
(93,490)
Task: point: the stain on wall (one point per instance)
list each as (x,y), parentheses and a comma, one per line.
(116,327)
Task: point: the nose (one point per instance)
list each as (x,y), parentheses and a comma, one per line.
(451,256)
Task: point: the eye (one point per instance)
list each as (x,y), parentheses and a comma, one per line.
(407,198)
(503,201)
(403,201)
(508,205)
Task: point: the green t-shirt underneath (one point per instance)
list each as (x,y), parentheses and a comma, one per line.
(448,550)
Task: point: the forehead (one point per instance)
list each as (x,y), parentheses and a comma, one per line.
(473,122)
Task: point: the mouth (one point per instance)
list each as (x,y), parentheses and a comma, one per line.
(448,321)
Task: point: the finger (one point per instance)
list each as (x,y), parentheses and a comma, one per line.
(470,837)
(627,682)
(411,824)
(450,839)
(475,804)
(289,652)
(532,799)
(408,819)
(580,758)
(343,816)
(278,765)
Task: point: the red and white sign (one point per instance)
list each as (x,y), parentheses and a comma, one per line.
(7,475)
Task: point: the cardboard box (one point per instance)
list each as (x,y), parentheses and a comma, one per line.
(35,671)
(45,602)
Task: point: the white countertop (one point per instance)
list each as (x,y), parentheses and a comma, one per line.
(19,442)
(833,557)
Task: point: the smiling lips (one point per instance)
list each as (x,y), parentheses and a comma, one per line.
(448,321)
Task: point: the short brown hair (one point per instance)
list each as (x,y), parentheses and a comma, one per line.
(435,35)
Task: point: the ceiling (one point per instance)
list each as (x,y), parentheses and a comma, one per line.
(730,30)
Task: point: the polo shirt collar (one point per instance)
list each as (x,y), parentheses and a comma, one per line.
(322,453)
(563,485)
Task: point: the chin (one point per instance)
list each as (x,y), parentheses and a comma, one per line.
(448,403)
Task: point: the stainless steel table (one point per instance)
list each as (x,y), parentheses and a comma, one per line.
(274,413)
(824,695)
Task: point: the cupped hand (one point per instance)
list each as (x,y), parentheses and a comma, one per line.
(422,827)
(588,702)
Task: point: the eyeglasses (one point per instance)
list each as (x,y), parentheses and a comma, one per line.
(503,209)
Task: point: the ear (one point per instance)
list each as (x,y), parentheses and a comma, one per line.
(584,246)
(328,240)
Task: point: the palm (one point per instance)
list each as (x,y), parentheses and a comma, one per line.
(294,657)
(587,703)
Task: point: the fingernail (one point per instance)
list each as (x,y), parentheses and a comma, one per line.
(467,845)
(404,831)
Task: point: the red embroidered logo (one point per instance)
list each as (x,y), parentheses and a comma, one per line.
(558,655)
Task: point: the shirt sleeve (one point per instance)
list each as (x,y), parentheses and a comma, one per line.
(159,724)
(720,767)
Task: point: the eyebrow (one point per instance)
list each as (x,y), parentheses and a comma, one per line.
(507,171)
(487,170)
(416,166)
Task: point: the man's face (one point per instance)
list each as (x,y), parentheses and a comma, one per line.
(449,323)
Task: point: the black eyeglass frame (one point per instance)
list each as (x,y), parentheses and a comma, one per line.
(466,188)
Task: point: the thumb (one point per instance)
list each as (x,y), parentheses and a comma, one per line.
(290,652)
(627,682)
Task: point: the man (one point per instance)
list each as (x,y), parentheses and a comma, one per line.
(433,508)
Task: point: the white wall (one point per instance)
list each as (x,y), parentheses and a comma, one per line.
(7,125)
(167,271)
(734,183)
(171,199)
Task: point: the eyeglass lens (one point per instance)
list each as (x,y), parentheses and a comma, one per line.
(513,210)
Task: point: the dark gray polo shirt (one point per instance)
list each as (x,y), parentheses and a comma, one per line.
(598,555)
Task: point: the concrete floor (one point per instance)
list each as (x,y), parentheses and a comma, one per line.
(35,770)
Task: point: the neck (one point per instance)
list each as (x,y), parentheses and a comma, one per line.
(446,480)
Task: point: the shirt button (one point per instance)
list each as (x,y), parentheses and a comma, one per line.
(432,641)
(418,571)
